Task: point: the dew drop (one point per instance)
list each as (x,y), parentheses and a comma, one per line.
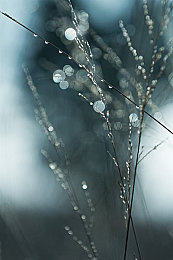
(60,51)
(64,85)
(99,106)
(58,76)
(133,117)
(70,34)
(35,35)
(76,208)
(52,166)
(66,228)
(46,42)
(50,128)
(84,185)
(69,71)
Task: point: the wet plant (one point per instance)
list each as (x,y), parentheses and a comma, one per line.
(129,100)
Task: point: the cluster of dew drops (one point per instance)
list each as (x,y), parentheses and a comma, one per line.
(59,76)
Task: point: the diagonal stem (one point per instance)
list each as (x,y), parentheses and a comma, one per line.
(122,181)
(133,188)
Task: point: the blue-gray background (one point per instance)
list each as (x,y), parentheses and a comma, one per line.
(34,209)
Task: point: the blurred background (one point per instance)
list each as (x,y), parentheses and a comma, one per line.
(34,208)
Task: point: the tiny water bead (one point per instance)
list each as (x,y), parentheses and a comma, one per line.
(133,117)
(50,128)
(35,35)
(70,232)
(67,228)
(84,185)
(46,42)
(52,165)
(69,71)
(58,76)
(70,34)
(64,85)
(76,208)
(99,106)
(83,217)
